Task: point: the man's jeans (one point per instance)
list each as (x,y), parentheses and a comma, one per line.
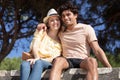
(34,73)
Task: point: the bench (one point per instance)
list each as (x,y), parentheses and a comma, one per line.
(70,74)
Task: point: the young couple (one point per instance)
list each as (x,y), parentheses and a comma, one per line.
(76,41)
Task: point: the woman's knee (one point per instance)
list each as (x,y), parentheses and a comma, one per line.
(25,64)
(38,63)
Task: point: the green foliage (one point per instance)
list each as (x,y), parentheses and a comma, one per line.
(112,59)
(14,63)
(10,64)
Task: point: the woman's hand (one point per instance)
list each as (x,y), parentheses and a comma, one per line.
(32,61)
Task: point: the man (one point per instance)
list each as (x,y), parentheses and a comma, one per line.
(76,40)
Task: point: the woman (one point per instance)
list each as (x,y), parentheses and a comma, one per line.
(45,46)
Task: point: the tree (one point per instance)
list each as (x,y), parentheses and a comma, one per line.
(18,19)
(12,23)
(104,16)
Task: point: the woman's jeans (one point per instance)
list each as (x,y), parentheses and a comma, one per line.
(34,73)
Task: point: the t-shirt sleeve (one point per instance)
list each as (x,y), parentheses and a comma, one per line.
(91,36)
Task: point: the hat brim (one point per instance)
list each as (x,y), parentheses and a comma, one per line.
(47,17)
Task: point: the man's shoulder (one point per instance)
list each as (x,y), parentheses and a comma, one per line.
(82,24)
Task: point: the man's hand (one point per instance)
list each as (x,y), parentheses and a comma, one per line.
(41,26)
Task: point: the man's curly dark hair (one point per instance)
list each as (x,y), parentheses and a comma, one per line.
(67,6)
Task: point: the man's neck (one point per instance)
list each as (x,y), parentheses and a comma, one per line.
(71,27)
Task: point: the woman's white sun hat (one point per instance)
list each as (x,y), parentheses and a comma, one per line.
(50,13)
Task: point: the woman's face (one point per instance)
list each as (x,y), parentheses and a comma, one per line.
(54,22)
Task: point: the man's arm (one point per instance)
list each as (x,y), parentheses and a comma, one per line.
(41,26)
(100,54)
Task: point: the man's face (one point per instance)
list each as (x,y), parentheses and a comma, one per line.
(68,18)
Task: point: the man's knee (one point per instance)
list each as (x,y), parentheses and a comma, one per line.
(59,59)
(92,62)
(60,62)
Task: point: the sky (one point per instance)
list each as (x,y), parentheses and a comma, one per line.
(20,46)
